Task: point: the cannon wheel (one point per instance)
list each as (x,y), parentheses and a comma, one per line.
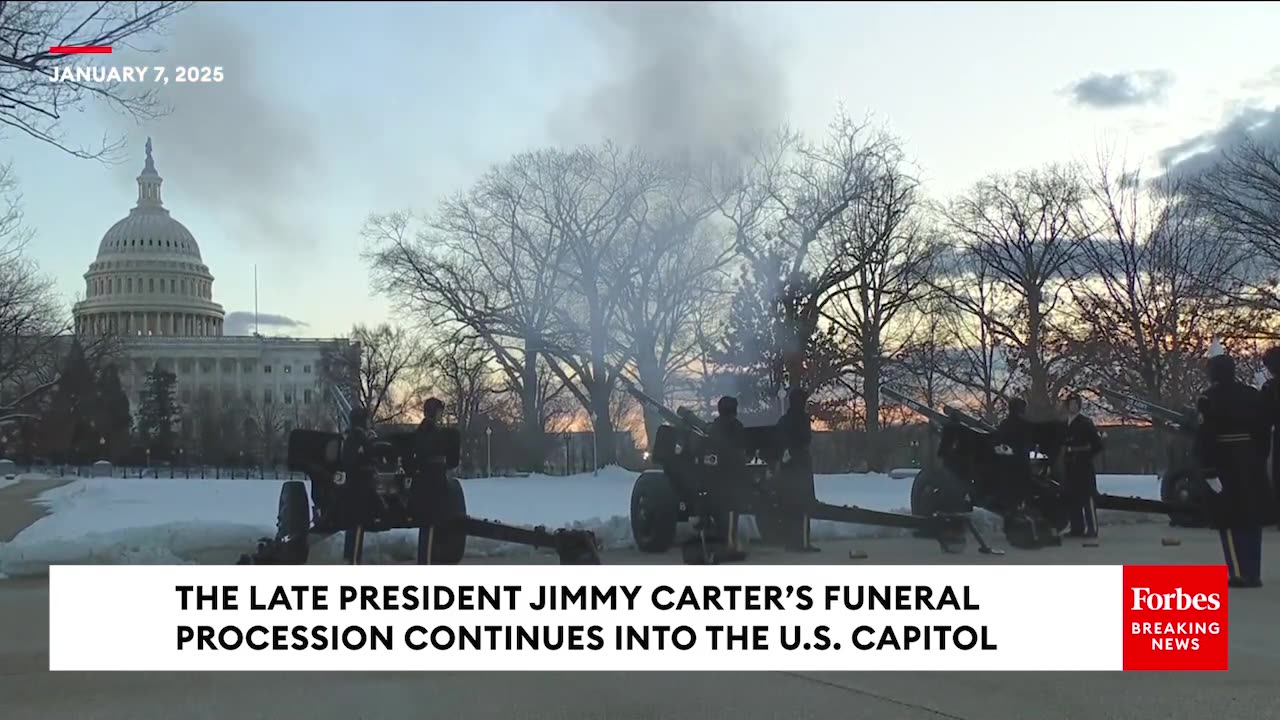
(1029,530)
(1020,531)
(449,543)
(293,521)
(930,494)
(1180,486)
(654,507)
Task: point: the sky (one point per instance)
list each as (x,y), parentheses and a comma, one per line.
(331,111)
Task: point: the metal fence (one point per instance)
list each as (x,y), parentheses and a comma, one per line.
(169,472)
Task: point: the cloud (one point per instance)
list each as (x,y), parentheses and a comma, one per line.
(242,323)
(686,78)
(1118,90)
(236,145)
(1200,152)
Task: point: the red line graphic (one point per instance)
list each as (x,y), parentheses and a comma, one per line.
(80,50)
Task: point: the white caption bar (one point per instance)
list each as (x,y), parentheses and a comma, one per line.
(501,618)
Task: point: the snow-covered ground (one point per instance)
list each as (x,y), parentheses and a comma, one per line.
(169,521)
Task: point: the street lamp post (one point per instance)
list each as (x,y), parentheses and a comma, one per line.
(488,452)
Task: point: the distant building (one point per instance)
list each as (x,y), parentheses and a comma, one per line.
(149,286)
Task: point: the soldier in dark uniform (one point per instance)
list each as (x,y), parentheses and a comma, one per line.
(429,469)
(1082,445)
(357,463)
(728,440)
(429,458)
(796,466)
(1271,397)
(1015,432)
(357,445)
(1232,438)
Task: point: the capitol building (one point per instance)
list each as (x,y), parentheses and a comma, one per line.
(149,287)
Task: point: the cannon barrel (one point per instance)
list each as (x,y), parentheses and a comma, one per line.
(937,418)
(683,418)
(1184,421)
(969,420)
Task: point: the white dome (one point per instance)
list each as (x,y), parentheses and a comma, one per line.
(149,231)
(148,278)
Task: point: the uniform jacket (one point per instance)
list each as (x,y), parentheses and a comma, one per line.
(1271,397)
(796,436)
(1233,438)
(1082,445)
(428,453)
(728,441)
(357,448)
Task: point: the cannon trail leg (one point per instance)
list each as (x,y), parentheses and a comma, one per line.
(357,545)
(574,547)
(983,547)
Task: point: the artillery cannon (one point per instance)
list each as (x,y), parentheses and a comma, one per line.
(396,490)
(690,484)
(1182,483)
(976,469)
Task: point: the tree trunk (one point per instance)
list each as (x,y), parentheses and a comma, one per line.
(533,451)
(654,385)
(1039,406)
(599,391)
(871,400)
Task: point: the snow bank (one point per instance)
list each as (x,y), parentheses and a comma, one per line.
(176,521)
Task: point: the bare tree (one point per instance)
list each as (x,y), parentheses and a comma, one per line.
(386,364)
(33,322)
(1152,298)
(593,200)
(927,363)
(36,91)
(1025,231)
(463,375)
(884,240)
(982,362)
(1241,194)
(485,263)
(265,430)
(785,206)
(677,266)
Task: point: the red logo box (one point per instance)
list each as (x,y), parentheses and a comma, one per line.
(1175,617)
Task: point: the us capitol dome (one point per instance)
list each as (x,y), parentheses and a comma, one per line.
(148,278)
(149,287)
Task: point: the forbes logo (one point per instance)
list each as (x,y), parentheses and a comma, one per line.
(1144,599)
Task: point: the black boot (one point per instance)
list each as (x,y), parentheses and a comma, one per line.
(1239,582)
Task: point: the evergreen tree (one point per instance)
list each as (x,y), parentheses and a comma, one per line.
(68,428)
(114,422)
(753,355)
(158,414)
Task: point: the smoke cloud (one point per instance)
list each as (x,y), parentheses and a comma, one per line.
(685,79)
(243,151)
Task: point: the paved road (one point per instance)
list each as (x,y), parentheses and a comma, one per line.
(1248,692)
(17,509)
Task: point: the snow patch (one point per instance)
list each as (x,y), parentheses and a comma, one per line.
(207,521)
